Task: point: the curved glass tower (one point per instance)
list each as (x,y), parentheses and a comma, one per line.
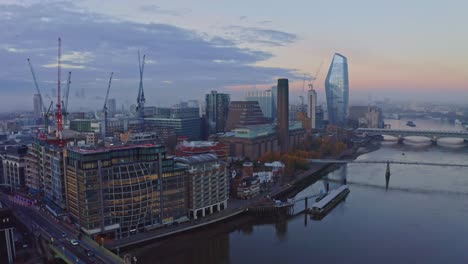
(337,90)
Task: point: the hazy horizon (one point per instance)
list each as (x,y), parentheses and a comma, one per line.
(395,50)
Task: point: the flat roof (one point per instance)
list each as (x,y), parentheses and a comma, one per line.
(84,150)
(196,159)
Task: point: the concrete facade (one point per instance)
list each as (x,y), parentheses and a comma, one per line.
(207,184)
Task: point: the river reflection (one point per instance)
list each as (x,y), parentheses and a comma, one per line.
(421,218)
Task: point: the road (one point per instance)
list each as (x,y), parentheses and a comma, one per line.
(36,219)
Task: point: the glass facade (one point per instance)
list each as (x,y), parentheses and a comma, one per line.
(123,191)
(265,100)
(217,107)
(337,90)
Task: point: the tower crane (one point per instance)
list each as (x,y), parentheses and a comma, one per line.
(45,113)
(58,112)
(37,85)
(104,109)
(65,104)
(141,93)
(46,119)
(311,82)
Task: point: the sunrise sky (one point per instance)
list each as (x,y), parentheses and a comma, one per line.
(397,49)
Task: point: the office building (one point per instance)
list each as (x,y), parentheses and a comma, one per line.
(45,173)
(120,191)
(80,125)
(283,114)
(365,116)
(207,184)
(374,117)
(296,110)
(306,121)
(14,164)
(37,106)
(7,235)
(112,107)
(265,100)
(91,138)
(217,108)
(244,113)
(319,118)
(312,107)
(184,120)
(76,115)
(337,91)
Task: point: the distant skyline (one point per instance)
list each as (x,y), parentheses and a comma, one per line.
(414,50)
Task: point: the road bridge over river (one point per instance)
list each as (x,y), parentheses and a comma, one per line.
(443,164)
(434,135)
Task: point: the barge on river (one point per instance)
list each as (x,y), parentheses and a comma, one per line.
(327,203)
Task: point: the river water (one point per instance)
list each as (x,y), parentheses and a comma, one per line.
(421,218)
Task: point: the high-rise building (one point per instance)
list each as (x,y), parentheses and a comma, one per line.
(319,123)
(312,107)
(112,107)
(265,100)
(283,114)
(184,120)
(217,108)
(124,190)
(337,91)
(37,104)
(244,113)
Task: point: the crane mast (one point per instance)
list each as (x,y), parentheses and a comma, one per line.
(46,119)
(37,85)
(59,105)
(141,93)
(105,110)
(65,104)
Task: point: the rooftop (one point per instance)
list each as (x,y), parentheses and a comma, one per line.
(93,149)
(196,159)
(198,144)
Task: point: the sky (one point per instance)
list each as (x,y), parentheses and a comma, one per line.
(414,50)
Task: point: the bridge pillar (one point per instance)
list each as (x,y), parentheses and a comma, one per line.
(387,175)
(400,139)
(434,140)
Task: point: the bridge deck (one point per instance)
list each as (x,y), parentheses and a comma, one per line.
(414,132)
(441,164)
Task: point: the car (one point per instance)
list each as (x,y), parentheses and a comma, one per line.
(64,234)
(74,242)
(90,253)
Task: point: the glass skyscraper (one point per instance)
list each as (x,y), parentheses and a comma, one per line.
(217,107)
(337,90)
